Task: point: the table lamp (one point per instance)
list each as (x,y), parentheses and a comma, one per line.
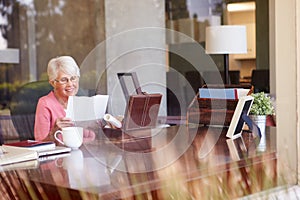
(226,39)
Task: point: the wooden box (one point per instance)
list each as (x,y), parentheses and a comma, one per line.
(212,111)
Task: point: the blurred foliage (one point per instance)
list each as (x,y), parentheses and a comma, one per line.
(7,90)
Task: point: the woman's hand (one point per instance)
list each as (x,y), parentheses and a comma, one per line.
(88,135)
(59,124)
(63,122)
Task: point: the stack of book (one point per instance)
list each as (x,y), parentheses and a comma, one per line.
(223,93)
(28,150)
(33,145)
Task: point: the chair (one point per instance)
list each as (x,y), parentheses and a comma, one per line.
(260,79)
(195,80)
(23,106)
(8,132)
(234,77)
(213,77)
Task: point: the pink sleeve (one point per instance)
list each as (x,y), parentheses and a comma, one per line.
(47,111)
(42,124)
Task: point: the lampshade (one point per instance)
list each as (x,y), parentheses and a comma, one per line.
(226,39)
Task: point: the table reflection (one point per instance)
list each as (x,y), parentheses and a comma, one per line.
(237,148)
(84,172)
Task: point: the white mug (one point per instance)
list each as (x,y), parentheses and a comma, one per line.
(71,136)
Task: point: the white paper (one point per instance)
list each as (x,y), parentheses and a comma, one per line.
(82,108)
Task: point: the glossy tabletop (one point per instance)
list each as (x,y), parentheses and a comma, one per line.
(179,162)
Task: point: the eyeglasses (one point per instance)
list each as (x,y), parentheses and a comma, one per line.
(65,80)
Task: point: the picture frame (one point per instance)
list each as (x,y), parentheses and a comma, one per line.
(236,125)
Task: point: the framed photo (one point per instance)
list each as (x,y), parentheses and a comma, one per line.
(236,125)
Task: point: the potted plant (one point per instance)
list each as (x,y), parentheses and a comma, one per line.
(261,108)
(262,105)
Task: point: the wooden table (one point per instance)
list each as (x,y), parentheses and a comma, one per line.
(179,162)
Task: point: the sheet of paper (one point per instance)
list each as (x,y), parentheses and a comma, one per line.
(83,108)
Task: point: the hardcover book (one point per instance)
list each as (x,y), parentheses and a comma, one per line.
(223,93)
(33,145)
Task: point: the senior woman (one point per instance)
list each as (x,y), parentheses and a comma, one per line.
(63,74)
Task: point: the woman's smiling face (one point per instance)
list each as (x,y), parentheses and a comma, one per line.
(66,85)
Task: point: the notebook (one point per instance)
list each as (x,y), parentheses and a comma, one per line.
(33,145)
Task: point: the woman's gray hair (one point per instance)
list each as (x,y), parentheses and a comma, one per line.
(66,64)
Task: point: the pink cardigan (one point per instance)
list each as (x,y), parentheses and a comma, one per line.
(47,111)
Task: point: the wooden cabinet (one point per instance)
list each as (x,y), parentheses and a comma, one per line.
(251,44)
